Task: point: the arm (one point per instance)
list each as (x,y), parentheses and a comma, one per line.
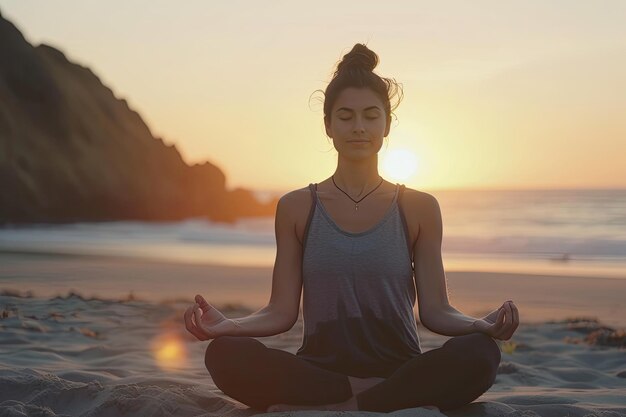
(435,310)
(268,321)
(209,323)
(281,313)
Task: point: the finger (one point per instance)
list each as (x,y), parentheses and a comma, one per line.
(504,315)
(509,315)
(515,317)
(202,303)
(193,320)
(198,315)
(515,313)
(190,325)
(505,335)
(507,332)
(509,327)
(499,328)
(514,322)
(495,328)
(187,317)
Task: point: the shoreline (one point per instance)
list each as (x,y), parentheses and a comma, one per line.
(539,297)
(454,264)
(252,257)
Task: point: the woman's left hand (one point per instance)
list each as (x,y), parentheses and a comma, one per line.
(500,323)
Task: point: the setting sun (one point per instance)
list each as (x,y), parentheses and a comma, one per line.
(399,164)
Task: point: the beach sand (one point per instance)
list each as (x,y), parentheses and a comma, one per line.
(92,336)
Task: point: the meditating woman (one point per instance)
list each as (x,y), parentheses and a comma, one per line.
(357,247)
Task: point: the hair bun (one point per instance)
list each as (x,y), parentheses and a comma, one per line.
(360,57)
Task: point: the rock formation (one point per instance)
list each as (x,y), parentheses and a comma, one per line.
(70,150)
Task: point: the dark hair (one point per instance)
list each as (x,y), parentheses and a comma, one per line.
(356,69)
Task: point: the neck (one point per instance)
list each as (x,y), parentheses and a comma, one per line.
(357,177)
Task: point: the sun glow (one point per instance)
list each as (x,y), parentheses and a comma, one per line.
(399,164)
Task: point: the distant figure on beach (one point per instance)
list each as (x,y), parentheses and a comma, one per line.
(562,258)
(356,247)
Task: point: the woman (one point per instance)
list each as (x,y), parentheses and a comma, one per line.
(350,242)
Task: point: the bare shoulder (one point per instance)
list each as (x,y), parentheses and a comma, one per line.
(295,206)
(296,201)
(418,202)
(421,211)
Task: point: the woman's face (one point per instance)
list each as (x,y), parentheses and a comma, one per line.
(358,123)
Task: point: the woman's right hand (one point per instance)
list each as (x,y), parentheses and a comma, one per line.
(209,322)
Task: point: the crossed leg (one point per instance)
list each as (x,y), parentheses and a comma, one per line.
(253,374)
(448,377)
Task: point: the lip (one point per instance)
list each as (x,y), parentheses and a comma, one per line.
(358,141)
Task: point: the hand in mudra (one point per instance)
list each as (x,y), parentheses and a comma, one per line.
(206,322)
(500,323)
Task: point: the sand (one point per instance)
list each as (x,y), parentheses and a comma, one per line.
(74,355)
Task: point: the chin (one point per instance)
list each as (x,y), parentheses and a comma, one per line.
(358,155)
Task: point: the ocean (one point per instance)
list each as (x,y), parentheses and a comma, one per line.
(561,232)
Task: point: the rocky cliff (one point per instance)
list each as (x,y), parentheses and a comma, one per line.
(70,150)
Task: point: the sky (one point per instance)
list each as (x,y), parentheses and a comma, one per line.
(497,94)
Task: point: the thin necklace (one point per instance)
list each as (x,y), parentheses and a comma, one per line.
(356,203)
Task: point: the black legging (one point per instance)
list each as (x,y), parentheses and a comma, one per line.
(450,376)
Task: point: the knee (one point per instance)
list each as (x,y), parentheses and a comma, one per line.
(225,357)
(481,353)
(218,353)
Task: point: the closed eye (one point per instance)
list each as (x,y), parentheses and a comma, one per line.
(369,118)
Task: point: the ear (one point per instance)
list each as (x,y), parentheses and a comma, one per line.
(327,127)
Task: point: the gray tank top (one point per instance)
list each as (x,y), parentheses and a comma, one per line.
(358,294)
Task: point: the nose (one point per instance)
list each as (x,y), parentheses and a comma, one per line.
(358,126)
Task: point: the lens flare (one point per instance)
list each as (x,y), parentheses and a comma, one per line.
(169,352)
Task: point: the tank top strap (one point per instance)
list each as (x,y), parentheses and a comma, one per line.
(400,193)
(404,223)
(396,194)
(312,189)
